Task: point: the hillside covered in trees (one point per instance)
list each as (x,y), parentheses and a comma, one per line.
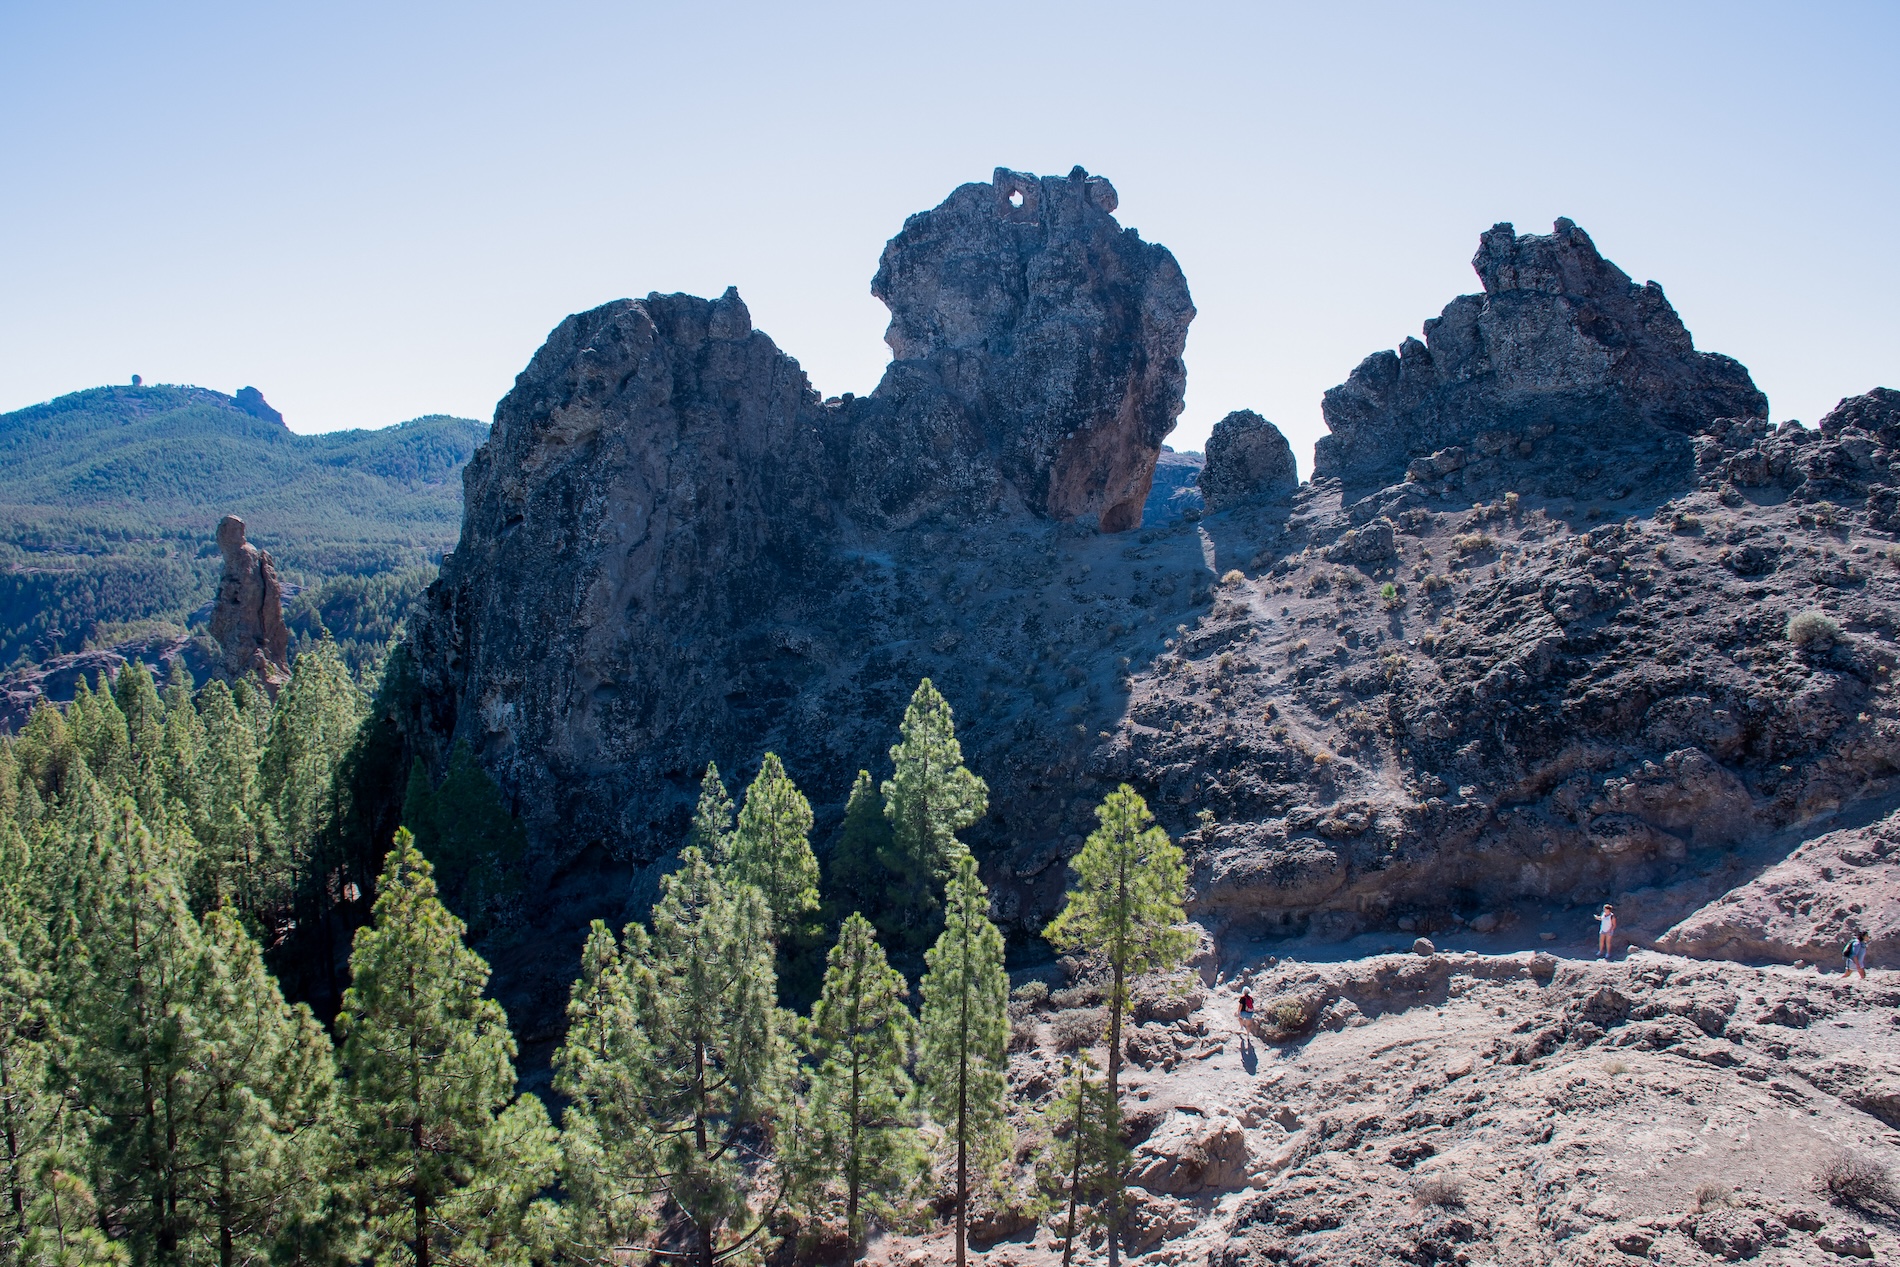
(108,499)
(744,1072)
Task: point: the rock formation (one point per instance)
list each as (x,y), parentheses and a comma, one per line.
(247,619)
(1247,457)
(673,551)
(252,402)
(1562,349)
(1524,644)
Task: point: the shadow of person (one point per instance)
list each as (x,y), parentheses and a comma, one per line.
(1249,1054)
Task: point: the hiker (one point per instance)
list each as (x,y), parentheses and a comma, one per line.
(1246,1011)
(1854,955)
(1606,931)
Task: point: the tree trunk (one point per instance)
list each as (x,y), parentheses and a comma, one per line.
(422,1229)
(854,1170)
(963,1108)
(1111,1112)
(1075,1168)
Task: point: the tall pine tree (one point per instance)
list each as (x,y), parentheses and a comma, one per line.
(1124,913)
(929,798)
(447,1154)
(609,1167)
(962,1058)
(862,1131)
(771,846)
(711,832)
(710,1068)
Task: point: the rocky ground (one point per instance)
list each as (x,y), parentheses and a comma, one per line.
(1520,1108)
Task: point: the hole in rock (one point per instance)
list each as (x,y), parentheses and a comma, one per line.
(1015,197)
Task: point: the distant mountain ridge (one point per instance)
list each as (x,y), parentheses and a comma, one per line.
(109,498)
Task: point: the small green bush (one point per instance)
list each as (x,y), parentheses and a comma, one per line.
(1813,630)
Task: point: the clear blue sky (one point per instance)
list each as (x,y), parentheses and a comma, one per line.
(374,211)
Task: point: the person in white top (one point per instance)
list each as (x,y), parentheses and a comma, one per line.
(1606,931)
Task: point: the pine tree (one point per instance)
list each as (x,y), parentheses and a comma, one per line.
(711,832)
(861,1128)
(962,1058)
(228,817)
(135,1035)
(259,1143)
(1125,914)
(449,1157)
(312,726)
(711,1067)
(27,1108)
(771,847)
(1084,1151)
(855,875)
(929,798)
(607,1147)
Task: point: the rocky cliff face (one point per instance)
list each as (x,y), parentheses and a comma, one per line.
(247,618)
(1524,642)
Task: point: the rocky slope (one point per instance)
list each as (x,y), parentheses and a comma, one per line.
(1462,1108)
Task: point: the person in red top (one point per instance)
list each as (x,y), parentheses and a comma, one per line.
(1246,1010)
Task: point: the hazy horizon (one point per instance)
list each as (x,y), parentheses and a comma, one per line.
(375,214)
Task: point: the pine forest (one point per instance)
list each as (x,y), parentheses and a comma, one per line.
(242,1021)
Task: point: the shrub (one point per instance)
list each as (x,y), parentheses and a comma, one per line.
(1034,993)
(1024,1033)
(1389,595)
(1435,582)
(1078,1027)
(1286,1017)
(1709,1193)
(1857,1181)
(1473,543)
(1813,630)
(1440,1190)
(1084,995)
(1234,577)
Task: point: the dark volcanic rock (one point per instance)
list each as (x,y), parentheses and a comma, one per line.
(673,551)
(1562,349)
(248,617)
(1247,457)
(252,402)
(1026,321)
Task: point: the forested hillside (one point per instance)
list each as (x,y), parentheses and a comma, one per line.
(177,867)
(109,499)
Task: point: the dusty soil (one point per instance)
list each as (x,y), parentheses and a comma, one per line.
(1511,1108)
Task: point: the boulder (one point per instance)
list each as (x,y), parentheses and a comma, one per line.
(1190,1153)
(1247,459)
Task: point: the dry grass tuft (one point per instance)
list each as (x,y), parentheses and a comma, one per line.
(1440,1190)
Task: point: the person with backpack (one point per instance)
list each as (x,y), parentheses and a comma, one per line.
(1854,955)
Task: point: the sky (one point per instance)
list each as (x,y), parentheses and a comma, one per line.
(376,211)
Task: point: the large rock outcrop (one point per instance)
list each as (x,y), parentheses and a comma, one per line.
(1247,457)
(1561,345)
(674,551)
(247,619)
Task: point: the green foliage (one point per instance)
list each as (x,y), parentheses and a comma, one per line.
(448,1157)
(929,798)
(711,832)
(771,849)
(962,1057)
(854,874)
(1124,914)
(109,499)
(708,1069)
(466,831)
(608,1148)
(1084,1153)
(862,1145)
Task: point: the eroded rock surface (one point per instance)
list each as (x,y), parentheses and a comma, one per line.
(1561,350)
(1247,458)
(247,618)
